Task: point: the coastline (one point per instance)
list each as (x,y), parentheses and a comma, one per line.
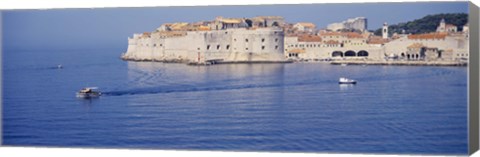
(336,62)
(401,63)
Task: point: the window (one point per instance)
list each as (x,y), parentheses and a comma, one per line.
(208,47)
(276,47)
(246,48)
(160,45)
(198,48)
(263,47)
(235,39)
(226,32)
(246,40)
(228,47)
(218,47)
(276,39)
(154,45)
(263,40)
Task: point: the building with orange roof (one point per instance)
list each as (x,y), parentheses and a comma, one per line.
(221,40)
(428,36)
(305,27)
(429,46)
(444,27)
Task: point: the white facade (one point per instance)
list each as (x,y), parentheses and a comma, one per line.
(358,23)
(385,31)
(456,44)
(230,45)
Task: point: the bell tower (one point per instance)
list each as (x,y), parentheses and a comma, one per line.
(385,31)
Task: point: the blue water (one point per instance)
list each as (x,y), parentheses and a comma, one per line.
(295,107)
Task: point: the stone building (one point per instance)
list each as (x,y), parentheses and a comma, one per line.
(305,27)
(455,43)
(221,40)
(331,46)
(358,23)
(444,27)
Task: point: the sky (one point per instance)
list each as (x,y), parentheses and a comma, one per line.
(109,28)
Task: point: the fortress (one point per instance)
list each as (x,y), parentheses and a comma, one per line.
(224,40)
(271,39)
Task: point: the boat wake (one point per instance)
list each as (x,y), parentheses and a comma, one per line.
(194,88)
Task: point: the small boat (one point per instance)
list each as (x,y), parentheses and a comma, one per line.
(89,92)
(344,80)
(343,64)
(59,66)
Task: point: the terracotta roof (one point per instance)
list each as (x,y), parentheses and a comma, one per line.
(306,24)
(178,26)
(146,34)
(332,42)
(203,28)
(309,38)
(296,51)
(376,40)
(449,25)
(428,36)
(330,34)
(415,45)
(353,35)
(231,20)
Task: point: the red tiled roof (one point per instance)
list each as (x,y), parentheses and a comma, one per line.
(415,45)
(296,51)
(309,38)
(332,42)
(428,36)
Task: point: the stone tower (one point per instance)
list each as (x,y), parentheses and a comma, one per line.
(385,31)
(442,26)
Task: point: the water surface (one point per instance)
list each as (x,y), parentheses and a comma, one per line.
(242,107)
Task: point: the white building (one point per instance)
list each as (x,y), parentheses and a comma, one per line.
(305,27)
(225,40)
(358,23)
(444,27)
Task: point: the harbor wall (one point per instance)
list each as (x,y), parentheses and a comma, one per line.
(230,45)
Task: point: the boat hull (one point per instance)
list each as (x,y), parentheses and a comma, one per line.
(88,95)
(347,82)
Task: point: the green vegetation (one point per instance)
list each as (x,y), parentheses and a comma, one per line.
(427,24)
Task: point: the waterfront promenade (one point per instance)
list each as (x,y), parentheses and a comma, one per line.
(401,62)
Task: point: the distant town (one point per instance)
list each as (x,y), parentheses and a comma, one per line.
(267,39)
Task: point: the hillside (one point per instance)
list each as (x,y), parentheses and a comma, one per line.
(427,24)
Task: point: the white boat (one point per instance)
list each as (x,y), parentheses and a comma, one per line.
(89,92)
(344,80)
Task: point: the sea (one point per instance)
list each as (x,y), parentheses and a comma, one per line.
(295,107)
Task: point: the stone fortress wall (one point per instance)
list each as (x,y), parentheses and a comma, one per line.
(271,39)
(231,41)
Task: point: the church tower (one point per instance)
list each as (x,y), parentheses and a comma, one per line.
(442,26)
(385,31)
